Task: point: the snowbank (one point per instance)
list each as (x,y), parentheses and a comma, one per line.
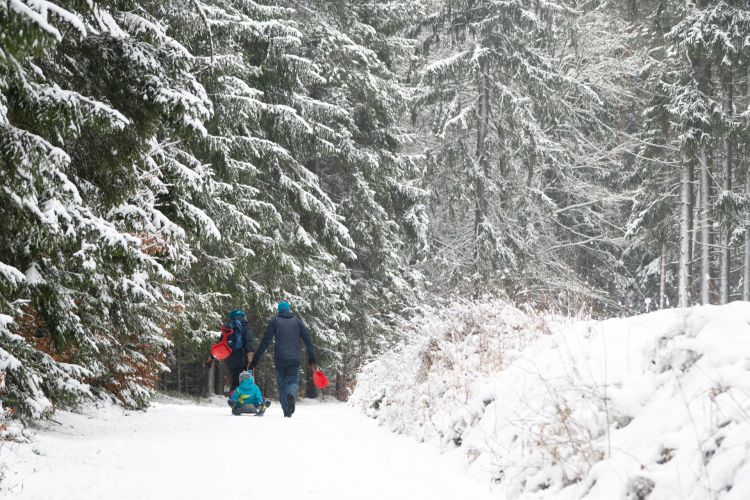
(654,406)
(417,388)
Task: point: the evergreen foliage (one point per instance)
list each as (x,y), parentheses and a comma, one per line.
(694,52)
(356,47)
(523,109)
(163,162)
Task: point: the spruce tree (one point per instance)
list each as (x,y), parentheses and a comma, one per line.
(85,95)
(358,106)
(273,232)
(523,149)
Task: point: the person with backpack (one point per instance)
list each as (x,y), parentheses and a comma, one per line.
(286,330)
(241,343)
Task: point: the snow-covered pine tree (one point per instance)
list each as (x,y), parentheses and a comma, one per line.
(83,94)
(39,248)
(519,176)
(652,227)
(165,205)
(699,43)
(664,194)
(275,232)
(724,28)
(356,107)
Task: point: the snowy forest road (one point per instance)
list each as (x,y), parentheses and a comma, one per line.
(188,451)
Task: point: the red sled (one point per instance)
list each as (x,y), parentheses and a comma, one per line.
(221,349)
(320,380)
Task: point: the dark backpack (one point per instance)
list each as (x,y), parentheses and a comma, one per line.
(237,340)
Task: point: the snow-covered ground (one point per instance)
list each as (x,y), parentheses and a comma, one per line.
(654,406)
(183,451)
(651,407)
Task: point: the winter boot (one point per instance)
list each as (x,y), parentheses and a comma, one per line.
(262,408)
(290,403)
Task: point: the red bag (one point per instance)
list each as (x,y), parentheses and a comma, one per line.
(320,380)
(221,349)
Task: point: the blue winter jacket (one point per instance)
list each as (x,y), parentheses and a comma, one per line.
(287,329)
(247,393)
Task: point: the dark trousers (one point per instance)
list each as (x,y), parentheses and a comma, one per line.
(234,377)
(287,380)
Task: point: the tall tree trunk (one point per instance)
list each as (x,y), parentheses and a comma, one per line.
(211,386)
(705,228)
(663,276)
(746,275)
(480,208)
(310,390)
(693,218)
(746,268)
(702,70)
(683,290)
(726,230)
(179,369)
(340,387)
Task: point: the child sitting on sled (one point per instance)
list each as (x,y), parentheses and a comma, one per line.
(247,398)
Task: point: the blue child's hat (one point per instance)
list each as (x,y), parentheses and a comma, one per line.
(284,306)
(236,314)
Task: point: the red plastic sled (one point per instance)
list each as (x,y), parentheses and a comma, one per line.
(221,349)
(320,380)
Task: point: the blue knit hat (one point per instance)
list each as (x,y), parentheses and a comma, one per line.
(284,306)
(236,314)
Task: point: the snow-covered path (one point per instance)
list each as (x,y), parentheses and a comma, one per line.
(186,451)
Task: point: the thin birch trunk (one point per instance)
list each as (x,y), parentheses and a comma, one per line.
(726,230)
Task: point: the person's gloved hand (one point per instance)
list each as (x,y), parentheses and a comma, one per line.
(314,365)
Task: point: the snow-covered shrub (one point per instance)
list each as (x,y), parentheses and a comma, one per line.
(418,387)
(654,406)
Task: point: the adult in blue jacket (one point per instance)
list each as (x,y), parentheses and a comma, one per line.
(287,330)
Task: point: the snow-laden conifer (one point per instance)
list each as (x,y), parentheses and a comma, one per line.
(521,100)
